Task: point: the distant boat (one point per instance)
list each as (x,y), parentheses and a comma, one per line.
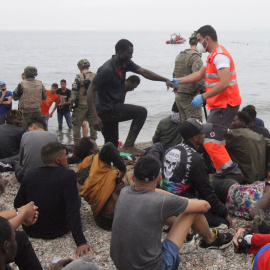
(176,39)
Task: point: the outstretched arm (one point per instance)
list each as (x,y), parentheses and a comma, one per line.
(193,77)
(197,206)
(154,77)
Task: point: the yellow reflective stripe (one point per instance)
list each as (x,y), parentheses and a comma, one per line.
(211,85)
(215,75)
(209,140)
(226,165)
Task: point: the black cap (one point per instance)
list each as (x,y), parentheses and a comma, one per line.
(147,168)
(192,127)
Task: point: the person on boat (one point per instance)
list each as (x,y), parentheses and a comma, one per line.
(184,171)
(79,100)
(222,97)
(109,86)
(30,93)
(246,148)
(53,187)
(251,110)
(99,183)
(5,102)
(188,62)
(52,97)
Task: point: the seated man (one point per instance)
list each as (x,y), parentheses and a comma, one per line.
(31,145)
(11,134)
(99,183)
(167,131)
(24,254)
(140,214)
(54,189)
(250,109)
(184,171)
(247,149)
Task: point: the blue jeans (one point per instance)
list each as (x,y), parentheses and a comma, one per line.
(60,120)
(171,258)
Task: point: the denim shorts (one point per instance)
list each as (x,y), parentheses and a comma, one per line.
(171,258)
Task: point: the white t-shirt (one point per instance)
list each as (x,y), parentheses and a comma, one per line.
(220,61)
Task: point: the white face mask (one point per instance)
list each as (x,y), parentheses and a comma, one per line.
(201,48)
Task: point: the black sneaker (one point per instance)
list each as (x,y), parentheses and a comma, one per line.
(222,241)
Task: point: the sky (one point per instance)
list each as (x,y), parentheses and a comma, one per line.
(134,15)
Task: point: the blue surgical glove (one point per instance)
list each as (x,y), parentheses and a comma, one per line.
(197,101)
(174,81)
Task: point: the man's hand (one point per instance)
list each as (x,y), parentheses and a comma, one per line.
(83,250)
(228,218)
(170,84)
(51,115)
(59,265)
(97,123)
(197,101)
(120,175)
(174,81)
(30,213)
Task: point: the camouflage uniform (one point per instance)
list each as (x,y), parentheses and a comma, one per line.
(30,93)
(188,62)
(80,110)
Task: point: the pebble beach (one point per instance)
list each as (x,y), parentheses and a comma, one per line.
(192,256)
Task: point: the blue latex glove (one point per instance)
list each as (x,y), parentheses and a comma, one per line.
(174,81)
(197,101)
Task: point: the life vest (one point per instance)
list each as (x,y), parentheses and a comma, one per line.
(31,97)
(83,85)
(230,95)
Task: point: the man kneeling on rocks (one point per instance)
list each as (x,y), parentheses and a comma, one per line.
(53,188)
(140,214)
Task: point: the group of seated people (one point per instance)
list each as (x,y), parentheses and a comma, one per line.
(166,185)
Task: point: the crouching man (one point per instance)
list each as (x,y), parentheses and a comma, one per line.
(140,213)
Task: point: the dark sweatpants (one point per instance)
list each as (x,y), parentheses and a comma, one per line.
(121,113)
(25,258)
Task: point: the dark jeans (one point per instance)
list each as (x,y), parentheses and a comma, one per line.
(60,120)
(25,258)
(18,170)
(121,113)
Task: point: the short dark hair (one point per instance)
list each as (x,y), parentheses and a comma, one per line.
(244,117)
(207,30)
(82,148)
(5,231)
(55,85)
(134,79)
(250,109)
(63,80)
(12,115)
(39,121)
(50,151)
(122,45)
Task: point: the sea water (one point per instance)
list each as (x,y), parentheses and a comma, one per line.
(56,53)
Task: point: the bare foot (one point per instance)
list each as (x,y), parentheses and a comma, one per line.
(133,150)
